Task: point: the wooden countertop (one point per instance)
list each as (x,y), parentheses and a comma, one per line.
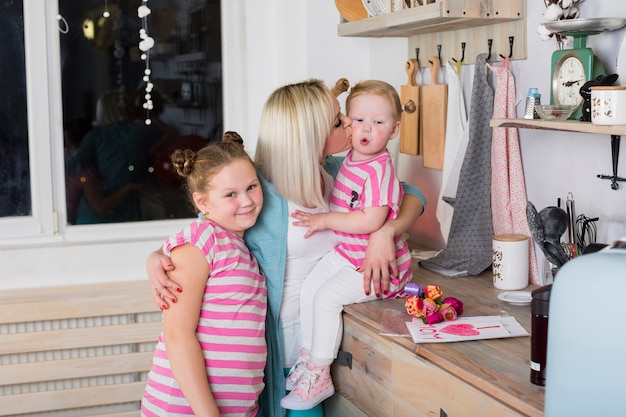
(498,367)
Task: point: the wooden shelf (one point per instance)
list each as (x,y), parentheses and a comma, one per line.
(566,125)
(438,16)
(441,27)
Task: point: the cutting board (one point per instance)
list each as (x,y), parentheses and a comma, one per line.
(351,9)
(434,98)
(341,86)
(409,123)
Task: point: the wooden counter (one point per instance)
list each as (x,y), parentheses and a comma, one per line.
(393,376)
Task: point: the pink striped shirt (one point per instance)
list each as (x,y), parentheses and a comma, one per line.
(370,183)
(231,329)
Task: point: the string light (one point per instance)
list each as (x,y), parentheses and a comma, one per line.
(106,10)
(145,45)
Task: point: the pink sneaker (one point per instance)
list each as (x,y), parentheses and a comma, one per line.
(314,386)
(291,380)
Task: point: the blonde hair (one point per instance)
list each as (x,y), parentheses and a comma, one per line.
(111,109)
(380,88)
(199,168)
(295,123)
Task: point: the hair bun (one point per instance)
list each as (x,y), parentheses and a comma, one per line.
(183,161)
(232,136)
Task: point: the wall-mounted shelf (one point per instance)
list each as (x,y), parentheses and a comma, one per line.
(437,16)
(615,132)
(439,27)
(566,125)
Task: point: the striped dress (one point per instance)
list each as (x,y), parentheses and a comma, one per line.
(370,183)
(231,329)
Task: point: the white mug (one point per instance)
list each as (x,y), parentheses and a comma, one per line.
(510,261)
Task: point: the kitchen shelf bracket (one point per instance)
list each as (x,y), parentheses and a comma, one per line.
(615,144)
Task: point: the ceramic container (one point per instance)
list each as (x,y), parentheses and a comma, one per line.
(608,105)
(510,261)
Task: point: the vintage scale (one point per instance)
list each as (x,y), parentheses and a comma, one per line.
(572,68)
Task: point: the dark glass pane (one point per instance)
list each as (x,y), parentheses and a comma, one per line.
(15,199)
(117,165)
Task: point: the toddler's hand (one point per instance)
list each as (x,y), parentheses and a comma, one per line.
(314,222)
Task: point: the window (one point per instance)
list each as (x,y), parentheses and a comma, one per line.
(53,73)
(14,176)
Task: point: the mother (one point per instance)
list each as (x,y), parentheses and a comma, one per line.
(301,127)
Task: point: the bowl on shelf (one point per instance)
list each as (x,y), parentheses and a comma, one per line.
(554,111)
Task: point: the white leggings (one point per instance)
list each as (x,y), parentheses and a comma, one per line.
(331,284)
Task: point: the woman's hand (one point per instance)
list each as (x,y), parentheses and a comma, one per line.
(380,259)
(157,267)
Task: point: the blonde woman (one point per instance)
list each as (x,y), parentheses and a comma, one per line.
(301,128)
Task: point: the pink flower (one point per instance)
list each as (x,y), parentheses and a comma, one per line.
(428,306)
(433,318)
(455,303)
(447,312)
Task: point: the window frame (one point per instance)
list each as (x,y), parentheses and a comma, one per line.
(47,225)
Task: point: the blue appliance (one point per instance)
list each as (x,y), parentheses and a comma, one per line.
(586,356)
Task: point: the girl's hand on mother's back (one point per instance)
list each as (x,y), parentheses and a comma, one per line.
(162,286)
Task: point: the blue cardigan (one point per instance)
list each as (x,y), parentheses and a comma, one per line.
(267,240)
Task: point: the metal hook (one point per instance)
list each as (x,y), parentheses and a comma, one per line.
(462,53)
(615,142)
(417,54)
(489,44)
(511,39)
(438,54)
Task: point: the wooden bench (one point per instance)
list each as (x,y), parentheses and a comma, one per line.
(77,350)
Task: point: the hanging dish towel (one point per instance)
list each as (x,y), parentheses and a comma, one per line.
(457,136)
(508,189)
(469,249)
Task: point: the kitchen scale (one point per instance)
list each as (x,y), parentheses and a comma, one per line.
(572,68)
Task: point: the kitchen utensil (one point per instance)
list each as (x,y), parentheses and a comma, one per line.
(547,227)
(554,111)
(434,98)
(409,125)
(341,86)
(351,9)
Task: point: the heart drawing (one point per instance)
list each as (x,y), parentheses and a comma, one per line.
(461,330)
(464,329)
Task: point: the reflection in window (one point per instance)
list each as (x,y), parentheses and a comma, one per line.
(117,166)
(15,199)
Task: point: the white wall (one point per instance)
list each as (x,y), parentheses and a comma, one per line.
(289,40)
(555,163)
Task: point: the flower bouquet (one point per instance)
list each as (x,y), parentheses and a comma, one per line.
(427,303)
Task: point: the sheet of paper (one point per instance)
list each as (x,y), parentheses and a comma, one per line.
(465,328)
(394,322)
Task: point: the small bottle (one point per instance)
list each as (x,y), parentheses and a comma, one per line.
(533,99)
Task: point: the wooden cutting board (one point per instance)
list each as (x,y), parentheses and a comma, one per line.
(409,124)
(434,100)
(351,9)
